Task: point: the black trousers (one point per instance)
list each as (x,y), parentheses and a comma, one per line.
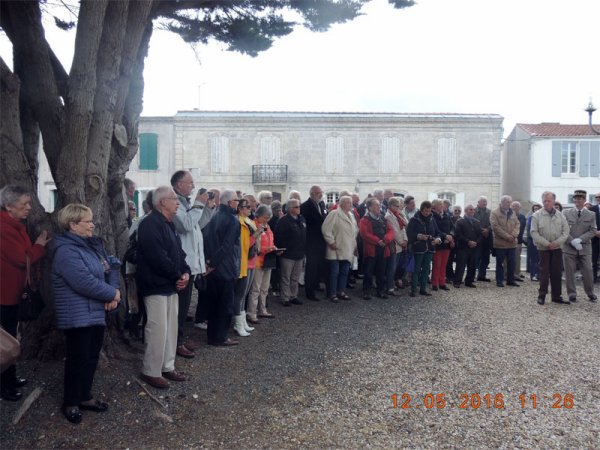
(315,269)
(9,319)
(374,266)
(220,308)
(83,348)
(202,306)
(551,265)
(595,255)
(185,298)
(483,256)
(465,257)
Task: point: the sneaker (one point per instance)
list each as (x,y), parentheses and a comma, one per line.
(201,325)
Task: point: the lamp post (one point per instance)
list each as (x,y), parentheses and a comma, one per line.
(590,110)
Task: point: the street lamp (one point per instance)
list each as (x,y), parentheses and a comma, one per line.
(590,110)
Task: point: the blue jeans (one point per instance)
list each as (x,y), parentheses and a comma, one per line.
(338,276)
(501,255)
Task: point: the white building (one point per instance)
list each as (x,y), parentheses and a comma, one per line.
(551,157)
(454,156)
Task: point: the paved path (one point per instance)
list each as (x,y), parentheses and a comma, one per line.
(322,375)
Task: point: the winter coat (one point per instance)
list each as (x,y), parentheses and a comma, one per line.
(15,246)
(187,224)
(247,242)
(548,227)
(370,237)
(83,280)
(467,230)
(420,224)
(445,226)
(160,260)
(399,233)
(505,227)
(291,235)
(267,241)
(314,215)
(340,229)
(222,244)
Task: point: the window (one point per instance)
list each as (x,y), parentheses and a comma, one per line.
(390,154)
(270,150)
(334,154)
(447,196)
(446,155)
(148,158)
(331,198)
(568,157)
(219,154)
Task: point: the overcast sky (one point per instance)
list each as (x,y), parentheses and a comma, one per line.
(530,61)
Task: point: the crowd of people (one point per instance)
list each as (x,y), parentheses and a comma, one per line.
(240,252)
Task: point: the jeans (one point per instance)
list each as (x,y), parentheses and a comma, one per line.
(533,258)
(421,273)
(501,255)
(390,270)
(338,276)
(184,297)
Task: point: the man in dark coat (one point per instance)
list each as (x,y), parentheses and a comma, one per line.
(482,213)
(161,273)
(596,240)
(222,254)
(314,213)
(467,235)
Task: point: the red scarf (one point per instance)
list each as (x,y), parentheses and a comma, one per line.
(401,219)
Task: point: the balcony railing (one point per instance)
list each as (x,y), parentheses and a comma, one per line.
(269,174)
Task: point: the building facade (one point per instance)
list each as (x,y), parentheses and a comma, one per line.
(454,156)
(551,157)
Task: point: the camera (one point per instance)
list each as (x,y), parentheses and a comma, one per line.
(211,195)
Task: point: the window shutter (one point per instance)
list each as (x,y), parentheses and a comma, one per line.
(594,159)
(148,151)
(584,159)
(556,163)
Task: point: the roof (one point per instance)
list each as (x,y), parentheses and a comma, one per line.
(325,114)
(557,130)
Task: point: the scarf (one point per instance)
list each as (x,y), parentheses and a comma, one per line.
(400,218)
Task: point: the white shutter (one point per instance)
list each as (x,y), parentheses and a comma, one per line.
(390,154)
(446,155)
(270,150)
(334,154)
(219,154)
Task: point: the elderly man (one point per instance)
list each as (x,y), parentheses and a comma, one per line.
(467,234)
(516,207)
(187,224)
(222,252)
(162,271)
(290,236)
(314,212)
(549,231)
(482,213)
(505,228)
(596,240)
(577,248)
(265,197)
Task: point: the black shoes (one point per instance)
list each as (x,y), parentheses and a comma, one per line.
(97,406)
(312,298)
(72,414)
(497,284)
(444,287)
(456,285)
(366,296)
(573,299)
(541,300)
(295,301)
(12,394)
(425,293)
(471,285)
(487,280)
(561,301)
(593,299)
(413,294)
(382,295)
(19,382)
(434,288)
(513,284)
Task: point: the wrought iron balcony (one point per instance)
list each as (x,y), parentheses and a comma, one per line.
(269,174)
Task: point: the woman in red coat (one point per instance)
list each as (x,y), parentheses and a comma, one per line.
(15,249)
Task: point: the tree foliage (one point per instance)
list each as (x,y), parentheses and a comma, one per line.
(88,117)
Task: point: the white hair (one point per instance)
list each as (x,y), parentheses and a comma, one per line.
(227,195)
(160,193)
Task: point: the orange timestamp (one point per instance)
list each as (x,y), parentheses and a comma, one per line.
(476,401)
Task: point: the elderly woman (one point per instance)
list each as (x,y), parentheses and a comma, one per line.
(442,252)
(16,251)
(265,263)
(86,285)
(398,222)
(423,237)
(376,234)
(340,231)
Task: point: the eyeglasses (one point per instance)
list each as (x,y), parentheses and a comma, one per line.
(246,206)
(86,221)
(294,207)
(171,198)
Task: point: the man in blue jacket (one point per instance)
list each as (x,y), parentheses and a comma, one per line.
(222,255)
(161,273)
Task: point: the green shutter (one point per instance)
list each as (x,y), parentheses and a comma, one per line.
(148,151)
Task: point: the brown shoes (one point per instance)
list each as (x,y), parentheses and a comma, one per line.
(157,382)
(185,352)
(266,316)
(252,321)
(174,376)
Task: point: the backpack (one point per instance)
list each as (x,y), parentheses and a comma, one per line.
(131,252)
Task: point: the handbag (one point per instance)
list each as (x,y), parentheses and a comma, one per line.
(10,349)
(32,303)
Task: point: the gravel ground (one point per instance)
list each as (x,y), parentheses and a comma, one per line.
(322,375)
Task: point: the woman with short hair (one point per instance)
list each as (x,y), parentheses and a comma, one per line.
(17,252)
(398,222)
(339,231)
(86,285)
